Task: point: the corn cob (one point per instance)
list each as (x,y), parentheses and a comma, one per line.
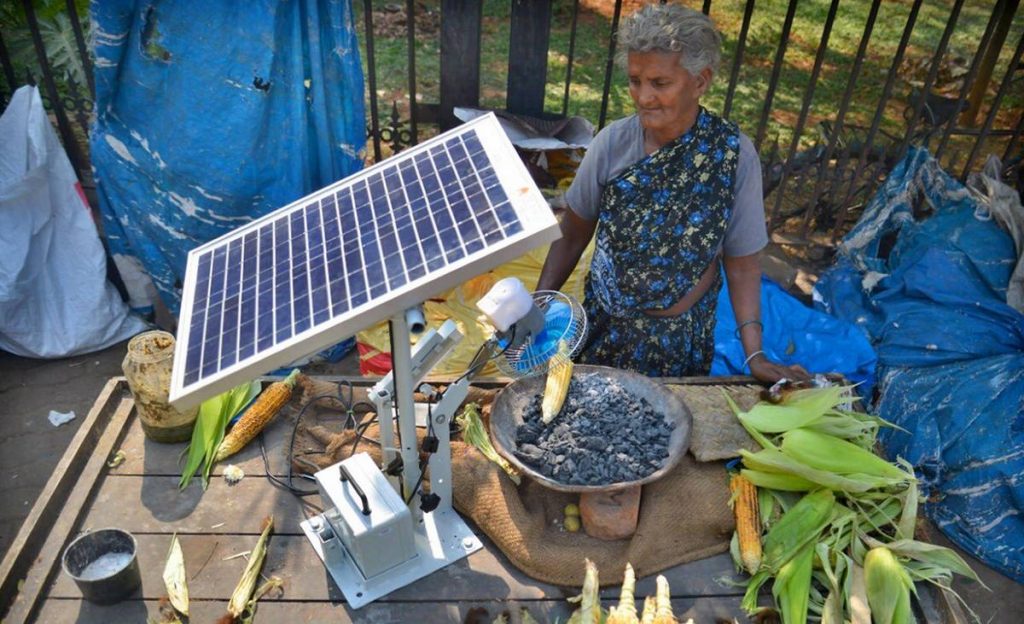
(557,386)
(748,521)
(625,612)
(775,461)
(801,524)
(777,481)
(265,407)
(650,607)
(825,452)
(793,584)
(589,599)
(663,603)
(888,587)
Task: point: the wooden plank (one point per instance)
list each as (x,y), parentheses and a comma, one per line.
(460,57)
(30,538)
(482,576)
(155,505)
(286,610)
(72,486)
(529,36)
(145,457)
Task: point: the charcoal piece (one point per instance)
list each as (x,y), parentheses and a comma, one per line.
(603,435)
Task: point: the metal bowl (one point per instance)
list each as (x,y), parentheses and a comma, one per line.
(510,406)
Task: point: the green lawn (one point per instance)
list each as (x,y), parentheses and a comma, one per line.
(762,43)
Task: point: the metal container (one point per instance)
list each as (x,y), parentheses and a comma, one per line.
(510,406)
(147,367)
(104,565)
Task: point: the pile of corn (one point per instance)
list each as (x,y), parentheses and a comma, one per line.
(833,523)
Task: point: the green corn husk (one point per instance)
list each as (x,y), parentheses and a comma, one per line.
(825,452)
(798,526)
(474,433)
(213,418)
(244,590)
(773,460)
(793,584)
(888,587)
(778,481)
(799,409)
(857,596)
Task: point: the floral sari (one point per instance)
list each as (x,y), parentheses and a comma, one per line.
(661,224)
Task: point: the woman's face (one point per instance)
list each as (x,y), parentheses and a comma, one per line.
(665,94)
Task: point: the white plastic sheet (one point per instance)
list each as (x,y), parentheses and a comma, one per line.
(55,300)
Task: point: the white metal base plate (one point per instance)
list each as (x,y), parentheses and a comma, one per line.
(442,537)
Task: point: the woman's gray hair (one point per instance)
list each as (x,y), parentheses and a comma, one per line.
(672,28)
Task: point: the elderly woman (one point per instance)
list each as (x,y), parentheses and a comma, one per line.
(669,191)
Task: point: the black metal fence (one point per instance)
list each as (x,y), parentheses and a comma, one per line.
(817,172)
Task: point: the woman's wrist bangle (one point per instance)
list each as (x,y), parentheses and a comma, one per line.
(751,357)
(739,328)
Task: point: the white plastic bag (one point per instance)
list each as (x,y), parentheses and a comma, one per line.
(55,300)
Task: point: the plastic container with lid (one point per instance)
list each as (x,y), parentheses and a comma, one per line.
(147,366)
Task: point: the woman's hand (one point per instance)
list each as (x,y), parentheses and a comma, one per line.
(766,371)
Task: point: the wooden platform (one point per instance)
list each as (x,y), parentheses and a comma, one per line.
(141,496)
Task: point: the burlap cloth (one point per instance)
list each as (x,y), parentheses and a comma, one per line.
(684,516)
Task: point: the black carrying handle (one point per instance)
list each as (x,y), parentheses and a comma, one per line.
(347,476)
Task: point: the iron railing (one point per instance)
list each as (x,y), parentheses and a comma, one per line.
(816,175)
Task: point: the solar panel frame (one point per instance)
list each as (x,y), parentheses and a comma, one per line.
(311,217)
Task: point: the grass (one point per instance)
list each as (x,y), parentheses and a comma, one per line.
(762,43)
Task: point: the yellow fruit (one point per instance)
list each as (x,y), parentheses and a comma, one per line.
(572,509)
(572,523)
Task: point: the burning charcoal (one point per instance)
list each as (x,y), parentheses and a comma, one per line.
(603,435)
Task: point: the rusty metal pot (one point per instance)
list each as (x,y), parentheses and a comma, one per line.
(510,406)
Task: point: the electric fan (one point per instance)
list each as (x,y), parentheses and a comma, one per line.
(531,328)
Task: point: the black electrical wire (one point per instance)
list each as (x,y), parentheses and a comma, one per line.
(349,409)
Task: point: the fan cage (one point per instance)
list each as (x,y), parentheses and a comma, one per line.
(526,360)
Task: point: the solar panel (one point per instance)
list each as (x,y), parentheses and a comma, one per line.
(353,254)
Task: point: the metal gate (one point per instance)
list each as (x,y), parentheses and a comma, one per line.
(818,168)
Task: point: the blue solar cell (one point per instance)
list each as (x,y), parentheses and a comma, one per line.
(319,301)
(247,311)
(232,295)
(265,290)
(474,147)
(456,149)
(197,326)
(211,342)
(282,281)
(301,312)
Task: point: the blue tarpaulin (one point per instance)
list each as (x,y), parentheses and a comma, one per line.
(795,334)
(209,115)
(924,274)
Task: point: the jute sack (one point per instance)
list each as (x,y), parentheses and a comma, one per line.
(683,517)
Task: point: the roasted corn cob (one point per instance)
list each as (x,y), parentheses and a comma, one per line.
(265,407)
(625,611)
(748,521)
(557,386)
(663,603)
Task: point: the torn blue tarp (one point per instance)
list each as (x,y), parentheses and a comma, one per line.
(795,334)
(209,115)
(924,274)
